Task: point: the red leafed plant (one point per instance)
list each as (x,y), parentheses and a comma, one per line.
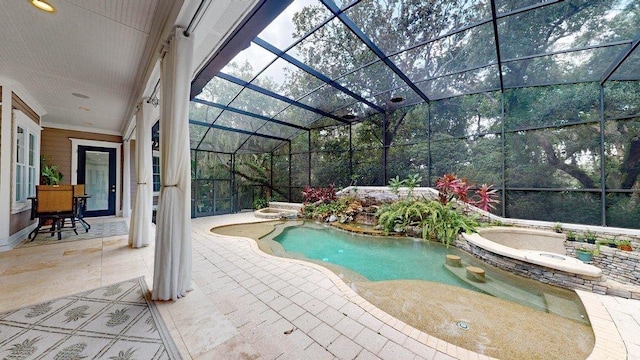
(319,194)
(485,197)
(450,187)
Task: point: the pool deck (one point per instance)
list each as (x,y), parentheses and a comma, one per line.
(250,305)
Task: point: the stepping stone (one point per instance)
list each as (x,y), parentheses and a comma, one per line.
(475,274)
(453,260)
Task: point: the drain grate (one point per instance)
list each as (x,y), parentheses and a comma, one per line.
(463,325)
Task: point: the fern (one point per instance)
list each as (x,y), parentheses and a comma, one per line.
(438,221)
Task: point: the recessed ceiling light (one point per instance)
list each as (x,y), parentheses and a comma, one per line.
(348,116)
(43,5)
(81,96)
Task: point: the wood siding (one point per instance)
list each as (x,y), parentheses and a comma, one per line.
(55,146)
(20,221)
(18,104)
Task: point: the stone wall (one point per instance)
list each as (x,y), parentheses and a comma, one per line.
(620,266)
(380,195)
(617,265)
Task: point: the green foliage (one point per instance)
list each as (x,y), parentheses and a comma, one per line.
(440,222)
(412,181)
(588,250)
(50,173)
(590,237)
(395,184)
(343,207)
(260,203)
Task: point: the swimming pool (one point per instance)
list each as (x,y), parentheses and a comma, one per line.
(390,258)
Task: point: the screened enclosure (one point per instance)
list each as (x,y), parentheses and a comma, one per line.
(539,98)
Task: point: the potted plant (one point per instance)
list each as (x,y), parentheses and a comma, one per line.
(557,228)
(571,236)
(585,254)
(590,237)
(612,243)
(624,245)
(50,174)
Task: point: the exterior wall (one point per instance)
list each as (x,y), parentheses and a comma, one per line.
(21,220)
(13,227)
(55,145)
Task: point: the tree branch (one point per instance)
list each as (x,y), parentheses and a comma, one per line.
(553,160)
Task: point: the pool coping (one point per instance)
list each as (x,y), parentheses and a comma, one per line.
(608,341)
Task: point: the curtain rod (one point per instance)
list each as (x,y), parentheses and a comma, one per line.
(188,29)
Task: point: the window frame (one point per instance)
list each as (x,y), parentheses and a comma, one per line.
(30,151)
(155,154)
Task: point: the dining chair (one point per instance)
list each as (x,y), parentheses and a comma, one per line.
(53,204)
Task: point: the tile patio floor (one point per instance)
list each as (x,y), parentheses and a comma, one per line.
(245,302)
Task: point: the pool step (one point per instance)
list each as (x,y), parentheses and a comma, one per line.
(564,307)
(501,290)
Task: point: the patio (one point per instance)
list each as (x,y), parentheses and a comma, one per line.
(245,302)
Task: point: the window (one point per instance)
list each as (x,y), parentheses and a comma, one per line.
(156,173)
(27,151)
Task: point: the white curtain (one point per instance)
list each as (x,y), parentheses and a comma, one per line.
(140,225)
(126,179)
(172,270)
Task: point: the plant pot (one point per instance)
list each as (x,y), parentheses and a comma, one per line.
(612,245)
(584,256)
(625,248)
(591,241)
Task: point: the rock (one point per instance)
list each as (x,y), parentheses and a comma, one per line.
(332,218)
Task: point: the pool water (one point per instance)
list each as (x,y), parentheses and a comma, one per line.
(391,258)
(376,258)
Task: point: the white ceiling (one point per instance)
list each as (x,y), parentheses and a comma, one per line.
(106,50)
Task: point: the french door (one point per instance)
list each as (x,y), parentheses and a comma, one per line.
(97,170)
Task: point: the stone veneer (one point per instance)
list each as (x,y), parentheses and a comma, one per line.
(620,266)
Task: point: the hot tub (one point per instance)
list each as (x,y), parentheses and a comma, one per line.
(539,247)
(275,213)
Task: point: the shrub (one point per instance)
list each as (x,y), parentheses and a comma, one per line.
(319,194)
(451,188)
(344,207)
(438,221)
(260,203)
